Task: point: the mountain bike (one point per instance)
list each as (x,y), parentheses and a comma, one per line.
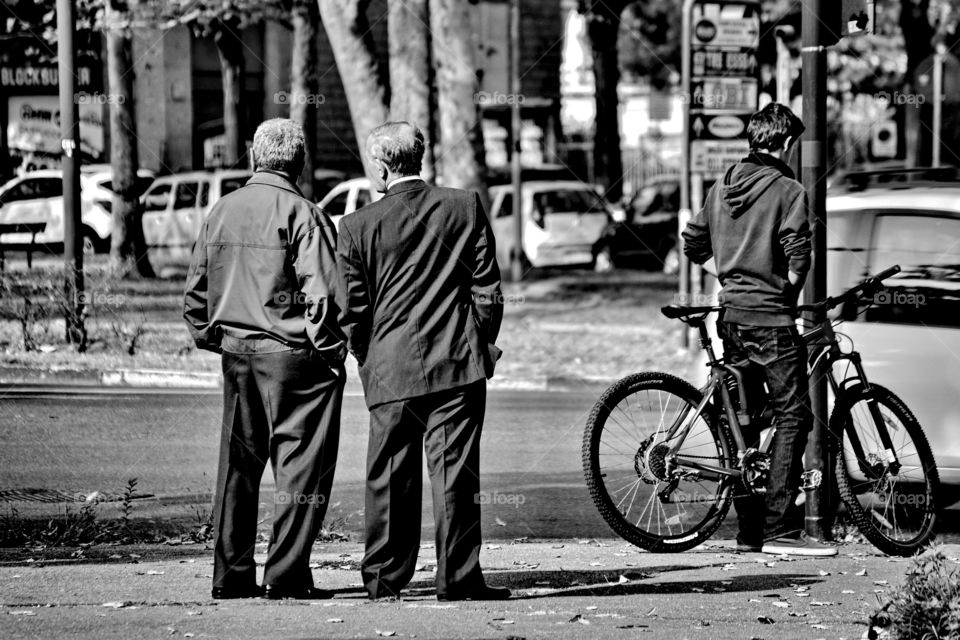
(663,459)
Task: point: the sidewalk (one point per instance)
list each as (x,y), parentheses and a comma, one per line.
(563,588)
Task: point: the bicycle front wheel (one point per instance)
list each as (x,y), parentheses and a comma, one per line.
(641,494)
(895,508)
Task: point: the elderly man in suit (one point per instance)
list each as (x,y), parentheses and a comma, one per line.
(261,291)
(421,307)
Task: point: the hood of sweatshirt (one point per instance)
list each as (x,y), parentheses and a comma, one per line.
(746,181)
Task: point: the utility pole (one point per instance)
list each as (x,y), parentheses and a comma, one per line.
(516,126)
(70,145)
(813,164)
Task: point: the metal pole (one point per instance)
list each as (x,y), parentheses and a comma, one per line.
(685,211)
(70,139)
(814,163)
(516,125)
(937,103)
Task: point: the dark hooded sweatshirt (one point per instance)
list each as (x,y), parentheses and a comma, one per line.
(754,222)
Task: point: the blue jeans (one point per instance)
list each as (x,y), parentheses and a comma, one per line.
(777,356)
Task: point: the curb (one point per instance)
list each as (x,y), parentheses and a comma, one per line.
(169,379)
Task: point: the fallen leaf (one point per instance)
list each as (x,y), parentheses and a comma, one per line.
(824,573)
(23,613)
(493,547)
(592,608)
(848,591)
(765,620)
(499,522)
(623,579)
(154,572)
(880,582)
(334,620)
(862,572)
(781,604)
(596,564)
(385,634)
(116,605)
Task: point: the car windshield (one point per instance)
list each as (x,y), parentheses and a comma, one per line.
(569,201)
(229,185)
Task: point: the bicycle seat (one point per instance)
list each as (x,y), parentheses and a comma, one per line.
(683,312)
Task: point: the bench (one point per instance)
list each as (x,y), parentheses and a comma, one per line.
(33,228)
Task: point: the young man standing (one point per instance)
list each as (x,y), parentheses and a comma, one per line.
(755,225)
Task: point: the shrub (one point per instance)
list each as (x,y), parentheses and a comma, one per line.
(926,606)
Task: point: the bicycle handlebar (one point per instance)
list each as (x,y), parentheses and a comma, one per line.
(870,284)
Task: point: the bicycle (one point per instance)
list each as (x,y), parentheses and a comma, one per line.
(666,482)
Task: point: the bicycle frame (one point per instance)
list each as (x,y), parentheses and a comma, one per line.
(822,343)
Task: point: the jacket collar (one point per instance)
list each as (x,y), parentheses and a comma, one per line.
(274,179)
(767,160)
(406,185)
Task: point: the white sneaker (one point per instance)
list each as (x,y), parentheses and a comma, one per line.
(802,546)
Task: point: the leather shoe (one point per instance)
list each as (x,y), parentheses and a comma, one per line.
(273,592)
(231,593)
(483,593)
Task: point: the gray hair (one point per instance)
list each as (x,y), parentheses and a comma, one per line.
(399,145)
(279,145)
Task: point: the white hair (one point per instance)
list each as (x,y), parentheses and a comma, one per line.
(279,145)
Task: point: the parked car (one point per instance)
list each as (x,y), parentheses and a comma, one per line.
(562,222)
(175,206)
(347,197)
(37,196)
(647,237)
(910,339)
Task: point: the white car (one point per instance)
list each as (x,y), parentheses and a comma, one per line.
(562,222)
(347,197)
(175,206)
(37,197)
(910,339)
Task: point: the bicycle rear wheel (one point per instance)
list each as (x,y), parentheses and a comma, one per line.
(895,509)
(628,476)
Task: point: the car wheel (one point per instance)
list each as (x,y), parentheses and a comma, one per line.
(603,261)
(90,243)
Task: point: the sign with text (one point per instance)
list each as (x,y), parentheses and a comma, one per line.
(724,85)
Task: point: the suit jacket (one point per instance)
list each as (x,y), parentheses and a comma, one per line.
(419,291)
(263,271)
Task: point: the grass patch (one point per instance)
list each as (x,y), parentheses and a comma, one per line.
(926,606)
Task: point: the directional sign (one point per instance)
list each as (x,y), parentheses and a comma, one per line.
(729,94)
(716,156)
(724,62)
(718,24)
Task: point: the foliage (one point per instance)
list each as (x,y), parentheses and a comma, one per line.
(926,606)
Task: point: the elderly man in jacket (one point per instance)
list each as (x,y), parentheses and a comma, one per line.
(260,292)
(421,307)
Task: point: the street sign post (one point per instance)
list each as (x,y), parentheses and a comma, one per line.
(721,84)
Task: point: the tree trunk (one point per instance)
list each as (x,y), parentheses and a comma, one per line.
(918,42)
(411,76)
(461,159)
(608,164)
(128,249)
(230,50)
(303,83)
(350,38)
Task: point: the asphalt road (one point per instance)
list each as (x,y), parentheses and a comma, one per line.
(95,440)
(80,443)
